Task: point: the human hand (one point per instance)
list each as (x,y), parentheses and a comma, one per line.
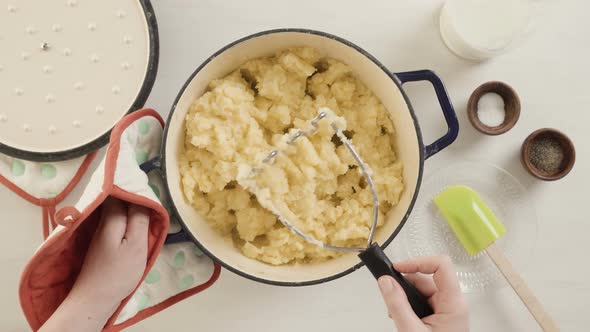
(112,268)
(435,278)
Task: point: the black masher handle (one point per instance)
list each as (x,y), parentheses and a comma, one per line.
(379,265)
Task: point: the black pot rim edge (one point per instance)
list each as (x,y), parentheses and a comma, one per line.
(142,96)
(347,43)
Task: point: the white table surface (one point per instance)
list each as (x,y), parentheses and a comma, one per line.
(549,70)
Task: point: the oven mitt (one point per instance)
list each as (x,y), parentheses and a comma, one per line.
(173,272)
(43,184)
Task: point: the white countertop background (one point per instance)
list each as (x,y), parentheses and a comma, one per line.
(549,70)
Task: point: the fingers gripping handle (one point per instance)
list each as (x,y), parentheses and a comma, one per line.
(379,265)
(156,164)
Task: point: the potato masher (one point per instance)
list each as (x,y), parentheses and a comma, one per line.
(373,256)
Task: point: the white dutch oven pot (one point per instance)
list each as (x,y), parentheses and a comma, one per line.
(385,84)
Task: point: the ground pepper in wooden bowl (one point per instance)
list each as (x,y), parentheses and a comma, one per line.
(548,154)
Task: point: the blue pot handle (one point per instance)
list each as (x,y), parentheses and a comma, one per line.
(152,164)
(171,238)
(445,104)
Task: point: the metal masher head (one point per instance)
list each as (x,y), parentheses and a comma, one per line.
(324,114)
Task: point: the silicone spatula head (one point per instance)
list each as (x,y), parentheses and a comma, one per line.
(472,221)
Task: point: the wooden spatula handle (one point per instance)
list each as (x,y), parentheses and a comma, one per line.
(521,288)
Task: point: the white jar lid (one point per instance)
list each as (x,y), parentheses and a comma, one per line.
(69,70)
(481,29)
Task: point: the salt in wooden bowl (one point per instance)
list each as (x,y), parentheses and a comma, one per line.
(511,107)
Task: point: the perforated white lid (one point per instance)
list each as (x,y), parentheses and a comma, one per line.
(69,70)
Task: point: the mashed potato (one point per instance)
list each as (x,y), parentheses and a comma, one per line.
(316,183)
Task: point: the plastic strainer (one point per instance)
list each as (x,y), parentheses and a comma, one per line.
(427,233)
(478,229)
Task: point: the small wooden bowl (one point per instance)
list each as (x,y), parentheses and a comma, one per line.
(569,154)
(511,106)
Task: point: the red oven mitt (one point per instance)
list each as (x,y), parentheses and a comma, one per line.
(173,272)
(43,184)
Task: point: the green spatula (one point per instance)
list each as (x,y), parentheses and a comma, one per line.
(477,228)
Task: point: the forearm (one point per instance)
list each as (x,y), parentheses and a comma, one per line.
(113,266)
(78,314)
